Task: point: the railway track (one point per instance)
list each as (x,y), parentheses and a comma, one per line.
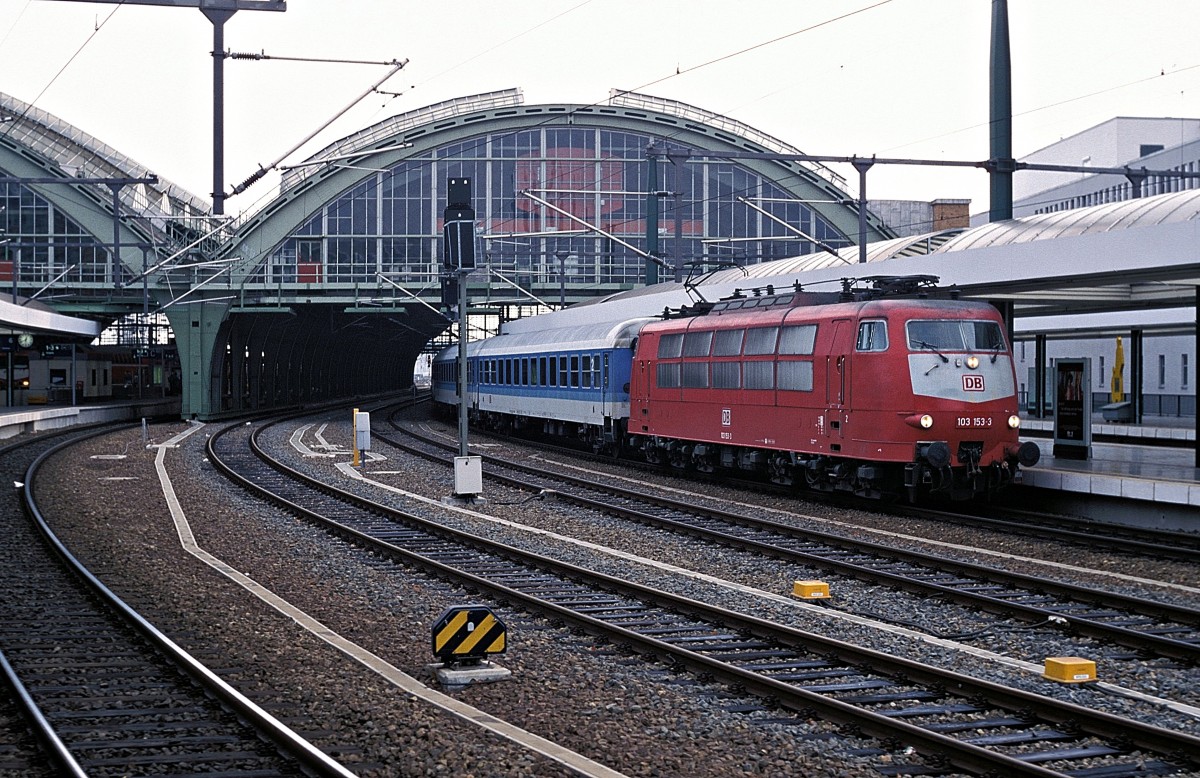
(97,690)
(1145,626)
(972,725)
(1145,541)
(1040,526)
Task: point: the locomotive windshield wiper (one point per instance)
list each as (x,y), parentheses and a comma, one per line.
(923,344)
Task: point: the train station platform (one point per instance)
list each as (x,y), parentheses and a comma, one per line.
(1154,461)
(27,419)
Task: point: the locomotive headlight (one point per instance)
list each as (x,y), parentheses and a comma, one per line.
(919,420)
(972,361)
(1014,422)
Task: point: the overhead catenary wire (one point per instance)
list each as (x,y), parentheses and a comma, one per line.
(95,31)
(397,65)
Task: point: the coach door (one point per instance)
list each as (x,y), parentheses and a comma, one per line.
(837,376)
(606,392)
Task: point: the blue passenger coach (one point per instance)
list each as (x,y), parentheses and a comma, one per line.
(569,381)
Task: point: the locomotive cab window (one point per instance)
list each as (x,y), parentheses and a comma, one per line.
(988,335)
(872,336)
(955,335)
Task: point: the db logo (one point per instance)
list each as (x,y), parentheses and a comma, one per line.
(726,417)
(972,383)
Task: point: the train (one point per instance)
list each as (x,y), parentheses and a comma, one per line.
(886,392)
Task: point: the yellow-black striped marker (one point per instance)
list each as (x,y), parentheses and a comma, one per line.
(468,633)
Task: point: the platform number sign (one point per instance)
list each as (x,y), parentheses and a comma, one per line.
(467,634)
(972,382)
(726,417)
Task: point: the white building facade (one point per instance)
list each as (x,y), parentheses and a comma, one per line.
(1139,144)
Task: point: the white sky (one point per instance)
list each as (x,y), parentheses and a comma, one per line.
(898,78)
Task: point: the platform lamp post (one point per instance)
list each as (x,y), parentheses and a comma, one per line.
(458,259)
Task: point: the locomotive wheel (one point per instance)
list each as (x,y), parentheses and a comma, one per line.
(780,471)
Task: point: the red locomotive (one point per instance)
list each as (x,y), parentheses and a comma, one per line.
(880,397)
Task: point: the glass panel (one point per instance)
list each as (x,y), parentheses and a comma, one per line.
(668,375)
(758,375)
(727,375)
(987,335)
(956,335)
(935,336)
(796,376)
(695,375)
(697,344)
(728,343)
(872,336)
(670,346)
(761,340)
(798,339)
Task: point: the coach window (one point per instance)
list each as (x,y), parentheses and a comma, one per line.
(761,340)
(697,344)
(575,371)
(798,339)
(667,375)
(796,376)
(585,371)
(728,343)
(695,375)
(508,372)
(670,346)
(564,375)
(758,375)
(524,371)
(596,370)
(542,371)
(872,336)
(727,375)
(552,370)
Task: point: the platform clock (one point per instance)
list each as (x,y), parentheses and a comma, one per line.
(24,340)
